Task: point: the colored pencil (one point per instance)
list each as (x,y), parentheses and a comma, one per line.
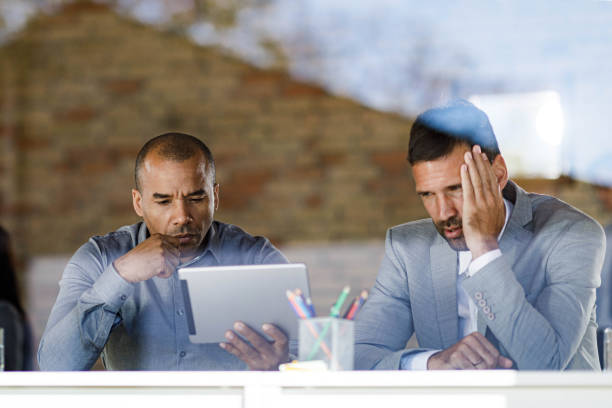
(359,301)
(301,314)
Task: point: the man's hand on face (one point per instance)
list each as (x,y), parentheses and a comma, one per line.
(260,354)
(473,352)
(158,255)
(483,204)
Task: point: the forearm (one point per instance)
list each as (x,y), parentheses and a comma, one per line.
(385,323)
(380,339)
(78,329)
(376,357)
(63,348)
(542,335)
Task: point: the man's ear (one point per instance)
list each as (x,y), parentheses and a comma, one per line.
(216,195)
(137,202)
(500,170)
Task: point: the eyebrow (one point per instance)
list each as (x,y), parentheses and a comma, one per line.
(454,186)
(197,193)
(160,196)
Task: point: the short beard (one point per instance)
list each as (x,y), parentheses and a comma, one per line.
(457,244)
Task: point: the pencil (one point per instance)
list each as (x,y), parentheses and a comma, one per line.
(350,312)
(291,296)
(359,301)
(302,314)
(335,310)
(307,302)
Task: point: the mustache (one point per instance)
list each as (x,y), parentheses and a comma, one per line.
(185,230)
(449,223)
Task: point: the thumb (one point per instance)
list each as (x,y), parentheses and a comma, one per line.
(503,362)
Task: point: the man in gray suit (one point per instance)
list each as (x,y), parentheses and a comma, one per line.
(496,278)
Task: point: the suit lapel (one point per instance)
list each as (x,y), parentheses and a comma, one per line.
(443,261)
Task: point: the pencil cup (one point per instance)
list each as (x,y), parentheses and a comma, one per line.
(328,339)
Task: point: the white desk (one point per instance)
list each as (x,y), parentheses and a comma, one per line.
(490,389)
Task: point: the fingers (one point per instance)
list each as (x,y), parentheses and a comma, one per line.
(492,357)
(255,350)
(481,174)
(466,186)
(474,179)
(171,256)
(494,186)
(473,352)
(240,348)
(477,172)
(504,362)
(468,357)
(260,344)
(281,342)
(171,246)
(487,351)
(156,256)
(173,243)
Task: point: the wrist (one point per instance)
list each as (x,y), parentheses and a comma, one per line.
(432,361)
(483,248)
(119,265)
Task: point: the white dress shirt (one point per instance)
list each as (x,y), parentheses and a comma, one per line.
(466,308)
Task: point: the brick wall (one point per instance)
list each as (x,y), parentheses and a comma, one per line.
(83,89)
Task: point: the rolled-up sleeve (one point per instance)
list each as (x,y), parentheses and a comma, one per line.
(90,297)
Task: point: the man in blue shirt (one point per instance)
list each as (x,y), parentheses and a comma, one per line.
(119,296)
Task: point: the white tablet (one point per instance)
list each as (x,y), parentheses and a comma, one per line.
(216,297)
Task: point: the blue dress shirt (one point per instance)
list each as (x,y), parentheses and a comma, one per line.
(138,326)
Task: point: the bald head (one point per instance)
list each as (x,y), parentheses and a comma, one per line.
(175,147)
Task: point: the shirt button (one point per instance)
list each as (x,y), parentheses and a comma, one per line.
(486,309)
(490,316)
(180,312)
(482,303)
(478,295)
(123,297)
(182,354)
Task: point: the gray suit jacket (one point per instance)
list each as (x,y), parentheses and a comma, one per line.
(535,302)
(604,293)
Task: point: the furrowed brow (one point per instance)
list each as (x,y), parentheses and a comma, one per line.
(159,196)
(199,192)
